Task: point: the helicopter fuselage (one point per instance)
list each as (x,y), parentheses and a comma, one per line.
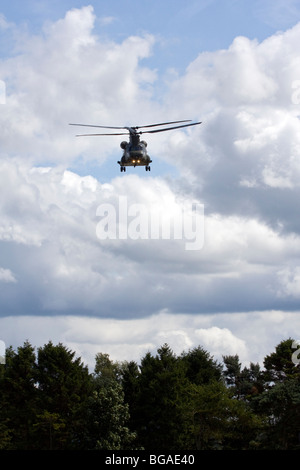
(134,152)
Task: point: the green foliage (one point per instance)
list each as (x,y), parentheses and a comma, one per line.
(107,414)
(42,397)
(49,400)
(244,383)
(106,419)
(280,400)
(63,384)
(218,420)
(157,414)
(200,367)
(18,396)
(279,365)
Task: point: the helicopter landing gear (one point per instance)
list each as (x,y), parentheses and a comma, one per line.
(147,168)
(123,168)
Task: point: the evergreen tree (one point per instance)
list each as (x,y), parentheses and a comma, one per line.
(219,421)
(131,389)
(200,367)
(159,419)
(49,400)
(232,372)
(63,386)
(281,406)
(280,402)
(18,397)
(244,383)
(279,365)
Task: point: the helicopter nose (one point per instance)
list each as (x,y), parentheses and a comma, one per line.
(136,153)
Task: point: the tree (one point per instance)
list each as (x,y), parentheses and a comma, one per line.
(158,410)
(200,367)
(49,400)
(280,402)
(232,370)
(279,365)
(131,387)
(63,385)
(18,397)
(107,414)
(49,424)
(244,383)
(106,369)
(219,421)
(281,405)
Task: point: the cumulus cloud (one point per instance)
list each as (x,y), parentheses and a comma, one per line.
(241,165)
(51,242)
(67,74)
(220,335)
(244,159)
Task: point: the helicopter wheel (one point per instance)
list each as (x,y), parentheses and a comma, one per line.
(147,168)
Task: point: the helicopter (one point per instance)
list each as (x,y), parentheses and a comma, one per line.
(135,151)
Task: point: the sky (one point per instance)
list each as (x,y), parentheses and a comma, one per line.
(203,249)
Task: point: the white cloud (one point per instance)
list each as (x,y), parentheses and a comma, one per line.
(49,217)
(6,275)
(289,282)
(244,96)
(242,163)
(67,74)
(251,336)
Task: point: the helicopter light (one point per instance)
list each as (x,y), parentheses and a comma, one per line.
(133,161)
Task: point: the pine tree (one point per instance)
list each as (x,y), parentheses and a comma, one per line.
(280,401)
(63,385)
(159,419)
(18,397)
(200,367)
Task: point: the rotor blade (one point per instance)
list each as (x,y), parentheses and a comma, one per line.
(133,127)
(91,125)
(169,128)
(90,135)
(161,124)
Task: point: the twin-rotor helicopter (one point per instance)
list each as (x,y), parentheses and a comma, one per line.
(135,151)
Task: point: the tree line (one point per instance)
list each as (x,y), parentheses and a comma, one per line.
(50,400)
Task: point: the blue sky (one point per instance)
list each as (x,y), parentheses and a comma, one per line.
(233,65)
(183,29)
